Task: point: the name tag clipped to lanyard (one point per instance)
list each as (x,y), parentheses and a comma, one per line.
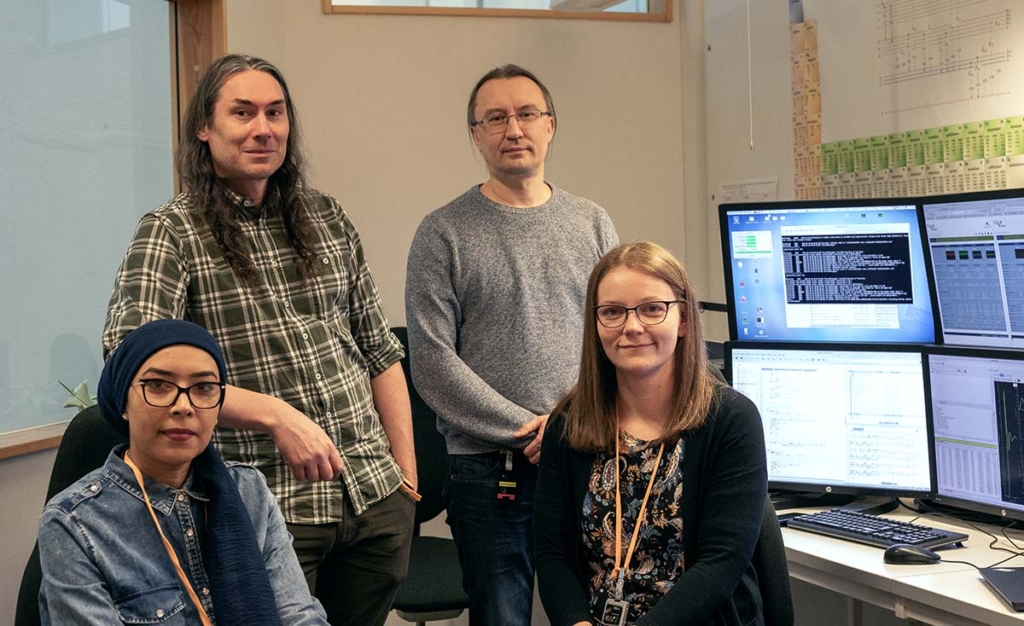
(611,607)
(507,482)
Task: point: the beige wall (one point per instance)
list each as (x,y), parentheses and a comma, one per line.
(382,101)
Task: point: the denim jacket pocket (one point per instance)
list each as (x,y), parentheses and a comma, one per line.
(158,605)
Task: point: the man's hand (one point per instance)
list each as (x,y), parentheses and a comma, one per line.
(536,425)
(305,446)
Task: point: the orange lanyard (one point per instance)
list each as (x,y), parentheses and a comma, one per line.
(619,573)
(167,545)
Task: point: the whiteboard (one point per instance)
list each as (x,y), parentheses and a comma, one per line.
(85,150)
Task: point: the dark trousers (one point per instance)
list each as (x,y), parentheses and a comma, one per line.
(354,566)
(494,538)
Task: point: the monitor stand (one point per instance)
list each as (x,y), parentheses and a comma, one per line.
(783,500)
(874,505)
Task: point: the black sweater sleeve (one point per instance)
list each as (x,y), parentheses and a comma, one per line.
(556,529)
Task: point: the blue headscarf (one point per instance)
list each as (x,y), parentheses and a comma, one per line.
(239,583)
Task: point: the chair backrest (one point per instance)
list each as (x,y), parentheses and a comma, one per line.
(773,571)
(431,450)
(84,447)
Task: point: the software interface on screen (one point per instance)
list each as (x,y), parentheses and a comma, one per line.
(977,405)
(826,273)
(844,418)
(977,254)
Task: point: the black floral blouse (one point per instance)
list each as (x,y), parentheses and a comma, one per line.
(658,558)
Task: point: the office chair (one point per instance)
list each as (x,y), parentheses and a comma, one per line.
(84,447)
(769,562)
(432,590)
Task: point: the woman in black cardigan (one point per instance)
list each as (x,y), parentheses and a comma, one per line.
(648,437)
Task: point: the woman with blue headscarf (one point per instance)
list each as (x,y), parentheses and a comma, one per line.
(165,532)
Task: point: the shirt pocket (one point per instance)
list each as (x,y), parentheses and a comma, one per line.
(158,605)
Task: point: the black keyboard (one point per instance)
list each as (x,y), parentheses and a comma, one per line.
(873,530)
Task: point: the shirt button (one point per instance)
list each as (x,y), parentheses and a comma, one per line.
(318,376)
(274,263)
(329,414)
(189,532)
(305,335)
(94,487)
(206,591)
(159,613)
(181,497)
(327,261)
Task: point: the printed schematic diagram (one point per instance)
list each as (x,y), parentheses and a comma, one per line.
(944,51)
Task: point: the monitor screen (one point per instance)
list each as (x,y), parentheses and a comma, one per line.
(976,245)
(976,403)
(833,270)
(838,418)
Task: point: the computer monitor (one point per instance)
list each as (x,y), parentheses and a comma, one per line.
(830,270)
(975,401)
(976,247)
(838,418)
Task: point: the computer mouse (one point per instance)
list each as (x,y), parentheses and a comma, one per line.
(907,554)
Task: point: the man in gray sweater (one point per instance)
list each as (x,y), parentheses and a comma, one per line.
(494,303)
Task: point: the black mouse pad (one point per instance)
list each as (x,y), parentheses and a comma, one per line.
(1008,583)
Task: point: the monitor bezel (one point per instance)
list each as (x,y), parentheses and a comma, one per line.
(842,489)
(974,352)
(726,247)
(958,198)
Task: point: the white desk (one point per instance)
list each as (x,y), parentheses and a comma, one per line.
(943,594)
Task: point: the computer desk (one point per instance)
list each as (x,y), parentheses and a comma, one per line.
(942,594)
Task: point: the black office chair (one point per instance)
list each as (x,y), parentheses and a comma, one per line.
(84,447)
(770,563)
(432,590)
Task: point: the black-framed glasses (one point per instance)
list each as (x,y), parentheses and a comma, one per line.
(498,122)
(649,313)
(163,393)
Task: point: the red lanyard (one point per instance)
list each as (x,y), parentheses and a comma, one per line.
(619,573)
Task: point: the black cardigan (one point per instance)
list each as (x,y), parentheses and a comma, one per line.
(724,490)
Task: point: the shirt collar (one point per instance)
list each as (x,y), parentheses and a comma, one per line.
(161,496)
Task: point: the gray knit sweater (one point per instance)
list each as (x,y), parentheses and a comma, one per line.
(494,303)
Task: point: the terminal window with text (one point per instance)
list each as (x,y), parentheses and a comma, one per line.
(845,419)
(977,259)
(976,400)
(831,271)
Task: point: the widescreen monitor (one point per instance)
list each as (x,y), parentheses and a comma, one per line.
(976,246)
(838,418)
(975,399)
(832,270)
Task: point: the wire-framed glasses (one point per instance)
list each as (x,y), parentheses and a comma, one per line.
(649,313)
(163,393)
(498,122)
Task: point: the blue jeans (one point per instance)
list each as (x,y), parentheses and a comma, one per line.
(494,537)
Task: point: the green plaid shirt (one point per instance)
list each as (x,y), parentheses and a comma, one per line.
(314,344)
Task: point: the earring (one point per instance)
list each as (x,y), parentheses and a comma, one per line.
(124,416)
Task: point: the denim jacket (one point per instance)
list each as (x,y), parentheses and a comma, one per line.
(103,561)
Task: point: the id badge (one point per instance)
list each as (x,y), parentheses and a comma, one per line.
(614,612)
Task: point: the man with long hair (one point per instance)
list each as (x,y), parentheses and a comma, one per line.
(494,295)
(275,271)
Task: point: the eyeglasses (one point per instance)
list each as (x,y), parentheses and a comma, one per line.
(498,122)
(649,313)
(163,393)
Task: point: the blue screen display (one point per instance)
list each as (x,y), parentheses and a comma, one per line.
(832,271)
